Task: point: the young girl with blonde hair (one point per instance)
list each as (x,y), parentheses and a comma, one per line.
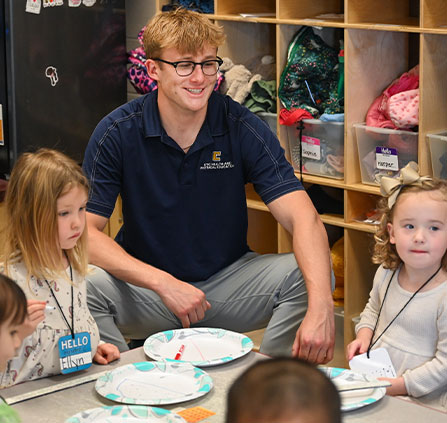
(45,252)
(407,309)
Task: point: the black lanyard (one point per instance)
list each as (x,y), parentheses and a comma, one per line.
(371,343)
(72,303)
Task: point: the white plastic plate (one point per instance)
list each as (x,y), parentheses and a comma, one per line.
(126,413)
(154,383)
(352,400)
(201,347)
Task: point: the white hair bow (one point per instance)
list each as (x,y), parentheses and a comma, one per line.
(390,187)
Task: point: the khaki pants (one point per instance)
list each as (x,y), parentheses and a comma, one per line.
(256,291)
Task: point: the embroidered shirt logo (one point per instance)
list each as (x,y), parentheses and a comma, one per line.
(216,162)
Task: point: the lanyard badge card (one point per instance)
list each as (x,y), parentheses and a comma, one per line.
(75,353)
(75,350)
(377,365)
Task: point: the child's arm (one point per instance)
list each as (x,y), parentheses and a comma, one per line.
(398,386)
(35,315)
(106,353)
(360,343)
(368,316)
(431,375)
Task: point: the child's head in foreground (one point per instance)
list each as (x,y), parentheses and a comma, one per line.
(35,216)
(13,309)
(283,390)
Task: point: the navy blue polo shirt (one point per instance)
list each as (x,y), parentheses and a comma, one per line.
(184,213)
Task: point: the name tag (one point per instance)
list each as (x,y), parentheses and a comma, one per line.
(310,147)
(75,353)
(377,365)
(386,159)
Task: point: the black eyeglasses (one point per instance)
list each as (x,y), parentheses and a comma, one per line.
(186,67)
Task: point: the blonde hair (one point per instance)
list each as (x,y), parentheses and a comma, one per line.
(31,230)
(385,253)
(183,29)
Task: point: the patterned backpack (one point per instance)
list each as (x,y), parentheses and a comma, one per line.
(310,78)
(137,72)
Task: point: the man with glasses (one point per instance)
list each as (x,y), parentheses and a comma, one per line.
(180,158)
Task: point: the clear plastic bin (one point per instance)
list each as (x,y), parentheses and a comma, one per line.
(438,152)
(383,152)
(271,120)
(322,148)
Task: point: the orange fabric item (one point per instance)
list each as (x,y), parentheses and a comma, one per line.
(195,414)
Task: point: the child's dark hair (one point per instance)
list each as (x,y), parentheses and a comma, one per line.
(280,389)
(13,304)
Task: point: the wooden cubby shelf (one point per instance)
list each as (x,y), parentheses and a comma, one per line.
(382,40)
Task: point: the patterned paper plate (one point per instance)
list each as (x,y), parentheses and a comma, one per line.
(126,413)
(153,383)
(351,400)
(200,347)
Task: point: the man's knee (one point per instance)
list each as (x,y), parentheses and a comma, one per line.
(289,270)
(287,263)
(101,289)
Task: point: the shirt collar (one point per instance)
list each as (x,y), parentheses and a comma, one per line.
(215,121)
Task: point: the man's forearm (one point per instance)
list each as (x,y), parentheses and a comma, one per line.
(106,253)
(312,253)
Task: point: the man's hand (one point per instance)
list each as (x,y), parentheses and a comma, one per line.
(315,338)
(183,299)
(188,303)
(35,314)
(106,353)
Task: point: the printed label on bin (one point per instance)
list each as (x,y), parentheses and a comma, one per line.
(386,159)
(310,147)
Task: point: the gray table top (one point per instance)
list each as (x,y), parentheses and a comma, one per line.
(57,406)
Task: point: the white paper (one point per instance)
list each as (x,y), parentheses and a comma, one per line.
(377,365)
(33,6)
(51,3)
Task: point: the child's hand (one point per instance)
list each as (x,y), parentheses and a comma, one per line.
(106,353)
(358,346)
(398,386)
(36,313)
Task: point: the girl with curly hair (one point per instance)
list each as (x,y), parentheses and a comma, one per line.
(407,309)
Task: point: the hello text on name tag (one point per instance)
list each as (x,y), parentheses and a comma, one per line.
(75,353)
